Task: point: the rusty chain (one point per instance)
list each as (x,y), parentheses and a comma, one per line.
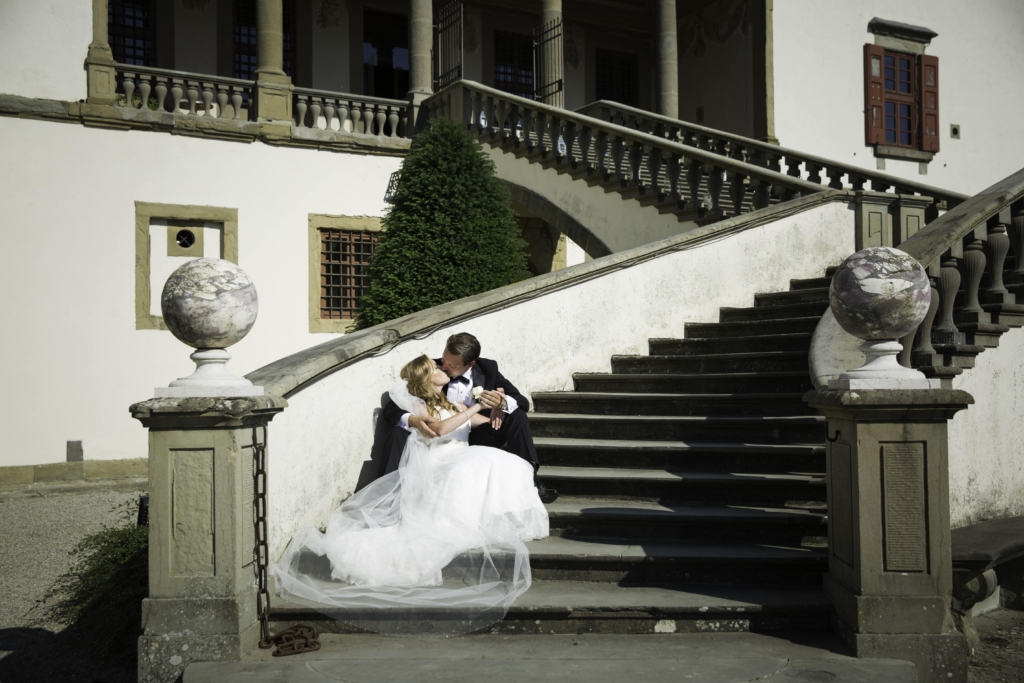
(299,638)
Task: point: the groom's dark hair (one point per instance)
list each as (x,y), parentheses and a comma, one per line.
(464,344)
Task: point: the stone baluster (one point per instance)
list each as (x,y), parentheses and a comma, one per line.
(923,339)
(160,92)
(368,113)
(694,172)
(762,194)
(997,247)
(356,115)
(737,191)
(946,331)
(618,152)
(500,116)
(526,122)
(315,107)
(393,122)
(813,172)
(207,98)
(489,114)
(128,87)
(236,101)
(1016,233)
(586,140)
(601,151)
(177,90)
(329,109)
(540,129)
(380,117)
(857,181)
(716,180)
(569,137)
(835,177)
(636,156)
(301,105)
(674,166)
(192,95)
(145,88)
(772,164)
(879,185)
(554,133)
(973,264)
(222,100)
(793,167)
(654,162)
(343,119)
(475,109)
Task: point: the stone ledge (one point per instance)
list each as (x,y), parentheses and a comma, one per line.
(86,471)
(206,412)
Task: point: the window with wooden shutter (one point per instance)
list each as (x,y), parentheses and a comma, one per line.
(901,99)
(929,103)
(873,100)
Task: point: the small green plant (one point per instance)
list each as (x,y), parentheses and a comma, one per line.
(450,232)
(101,595)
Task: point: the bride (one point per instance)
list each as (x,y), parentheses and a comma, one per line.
(434,547)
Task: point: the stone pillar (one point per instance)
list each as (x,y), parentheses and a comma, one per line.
(668,60)
(553,57)
(890,569)
(421,71)
(872,221)
(908,216)
(99,63)
(273,85)
(202,597)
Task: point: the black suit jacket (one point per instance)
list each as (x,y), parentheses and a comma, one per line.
(485,374)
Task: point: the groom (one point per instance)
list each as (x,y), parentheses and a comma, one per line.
(465,368)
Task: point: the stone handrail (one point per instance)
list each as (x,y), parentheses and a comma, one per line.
(204,95)
(766,154)
(354,113)
(634,161)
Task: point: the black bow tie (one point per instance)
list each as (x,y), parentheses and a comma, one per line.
(460,379)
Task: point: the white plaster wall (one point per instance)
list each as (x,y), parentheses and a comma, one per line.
(75,360)
(986,442)
(43,45)
(331,55)
(819,83)
(321,442)
(721,81)
(195,38)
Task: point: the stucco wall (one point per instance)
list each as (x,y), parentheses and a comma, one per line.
(819,83)
(75,360)
(321,443)
(43,45)
(986,442)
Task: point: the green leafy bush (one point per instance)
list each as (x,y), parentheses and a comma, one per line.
(450,232)
(101,594)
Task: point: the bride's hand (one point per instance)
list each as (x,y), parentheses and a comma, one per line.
(422,425)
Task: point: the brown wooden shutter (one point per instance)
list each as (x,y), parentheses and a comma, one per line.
(929,103)
(874,115)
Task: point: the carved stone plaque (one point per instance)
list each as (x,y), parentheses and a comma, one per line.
(904,508)
(842,503)
(192,513)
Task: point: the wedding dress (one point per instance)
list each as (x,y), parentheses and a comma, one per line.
(436,547)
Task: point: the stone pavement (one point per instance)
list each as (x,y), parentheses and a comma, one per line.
(703,658)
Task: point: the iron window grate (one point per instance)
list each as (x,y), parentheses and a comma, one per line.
(131,30)
(344,271)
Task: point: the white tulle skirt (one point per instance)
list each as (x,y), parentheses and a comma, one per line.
(435,548)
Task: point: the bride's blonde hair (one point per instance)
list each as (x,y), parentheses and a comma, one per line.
(416,374)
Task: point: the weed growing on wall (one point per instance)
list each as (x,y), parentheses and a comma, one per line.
(101,595)
(450,232)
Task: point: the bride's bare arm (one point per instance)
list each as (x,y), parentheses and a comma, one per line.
(450,424)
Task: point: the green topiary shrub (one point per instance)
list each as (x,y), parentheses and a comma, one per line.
(450,232)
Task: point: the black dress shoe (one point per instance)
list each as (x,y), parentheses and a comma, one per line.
(546,495)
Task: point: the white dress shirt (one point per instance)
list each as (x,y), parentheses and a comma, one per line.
(462,392)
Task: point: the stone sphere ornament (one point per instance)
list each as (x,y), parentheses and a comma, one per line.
(880,294)
(209,304)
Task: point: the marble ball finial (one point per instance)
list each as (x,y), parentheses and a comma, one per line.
(880,293)
(209,303)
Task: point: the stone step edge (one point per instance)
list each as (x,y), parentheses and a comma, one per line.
(561,472)
(663,396)
(785,420)
(642,445)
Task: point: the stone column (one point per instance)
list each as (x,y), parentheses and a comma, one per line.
(553,57)
(202,597)
(421,40)
(668,60)
(99,63)
(273,85)
(890,569)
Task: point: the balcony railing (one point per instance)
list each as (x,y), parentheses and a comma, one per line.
(178,92)
(345,112)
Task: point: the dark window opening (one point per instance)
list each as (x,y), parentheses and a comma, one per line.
(616,76)
(344,271)
(899,86)
(385,54)
(513,63)
(131,31)
(244,29)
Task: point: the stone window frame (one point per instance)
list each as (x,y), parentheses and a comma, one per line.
(318,222)
(185,216)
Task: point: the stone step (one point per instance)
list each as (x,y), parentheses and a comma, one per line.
(785,429)
(691,456)
(752,328)
(759,342)
(714,362)
(811,294)
(811,283)
(685,561)
(552,606)
(781,312)
(611,403)
(778,490)
(641,520)
(733,382)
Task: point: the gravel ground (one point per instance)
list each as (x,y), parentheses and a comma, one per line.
(999,657)
(37,530)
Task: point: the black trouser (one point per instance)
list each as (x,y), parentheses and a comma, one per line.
(514,431)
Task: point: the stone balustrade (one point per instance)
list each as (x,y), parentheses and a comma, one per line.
(344,112)
(651,168)
(178,92)
(808,167)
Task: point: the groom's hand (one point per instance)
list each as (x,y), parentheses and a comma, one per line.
(422,425)
(492,399)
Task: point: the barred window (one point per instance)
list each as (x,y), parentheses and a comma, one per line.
(131,31)
(616,76)
(513,63)
(344,271)
(244,23)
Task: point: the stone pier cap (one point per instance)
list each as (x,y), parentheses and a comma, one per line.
(212,412)
(892,405)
